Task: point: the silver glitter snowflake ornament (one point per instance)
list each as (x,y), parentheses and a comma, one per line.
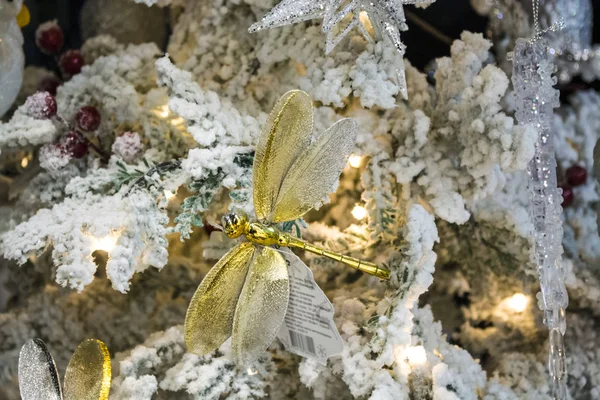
(385,17)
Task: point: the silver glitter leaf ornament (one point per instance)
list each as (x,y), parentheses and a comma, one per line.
(384,17)
(88,375)
(38,378)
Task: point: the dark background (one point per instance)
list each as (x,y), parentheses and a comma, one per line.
(450,17)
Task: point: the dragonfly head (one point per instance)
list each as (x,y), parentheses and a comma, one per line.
(235,225)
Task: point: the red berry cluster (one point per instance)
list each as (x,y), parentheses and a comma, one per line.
(576,175)
(42,105)
(76,145)
(87,119)
(50,39)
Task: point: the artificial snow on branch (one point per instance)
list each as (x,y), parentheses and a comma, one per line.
(455,149)
(435,192)
(24,130)
(130,228)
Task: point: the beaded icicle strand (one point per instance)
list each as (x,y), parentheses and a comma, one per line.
(535,99)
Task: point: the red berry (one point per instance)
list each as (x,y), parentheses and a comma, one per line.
(49,38)
(576,175)
(41,105)
(567,195)
(88,118)
(75,145)
(50,84)
(71,62)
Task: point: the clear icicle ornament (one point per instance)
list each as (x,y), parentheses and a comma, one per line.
(575,53)
(573,44)
(386,17)
(535,99)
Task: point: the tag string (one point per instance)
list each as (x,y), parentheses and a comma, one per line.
(557,26)
(536,17)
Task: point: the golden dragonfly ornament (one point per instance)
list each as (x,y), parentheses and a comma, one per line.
(88,374)
(245,295)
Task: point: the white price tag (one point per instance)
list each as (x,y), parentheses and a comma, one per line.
(308,329)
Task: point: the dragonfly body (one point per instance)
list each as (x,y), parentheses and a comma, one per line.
(236,225)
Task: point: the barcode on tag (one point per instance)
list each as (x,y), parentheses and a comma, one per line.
(309,329)
(303,343)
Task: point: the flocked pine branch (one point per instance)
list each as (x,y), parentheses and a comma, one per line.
(452,149)
(456,148)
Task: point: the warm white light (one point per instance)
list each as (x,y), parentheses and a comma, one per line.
(24,162)
(169,195)
(415,355)
(163,111)
(359,212)
(366,22)
(355,161)
(517,302)
(364,18)
(177,121)
(106,243)
(251,371)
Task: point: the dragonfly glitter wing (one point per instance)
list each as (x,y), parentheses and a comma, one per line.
(245,295)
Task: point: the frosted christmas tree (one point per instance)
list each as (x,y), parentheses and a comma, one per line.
(413,274)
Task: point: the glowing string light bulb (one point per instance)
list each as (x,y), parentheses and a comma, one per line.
(169,195)
(359,212)
(415,355)
(251,372)
(517,302)
(354,161)
(366,22)
(24,162)
(411,357)
(106,243)
(178,122)
(162,111)
(364,17)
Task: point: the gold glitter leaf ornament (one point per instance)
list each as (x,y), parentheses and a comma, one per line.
(245,295)
(88,375)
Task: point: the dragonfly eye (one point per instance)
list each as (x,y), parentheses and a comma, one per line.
(234,225)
